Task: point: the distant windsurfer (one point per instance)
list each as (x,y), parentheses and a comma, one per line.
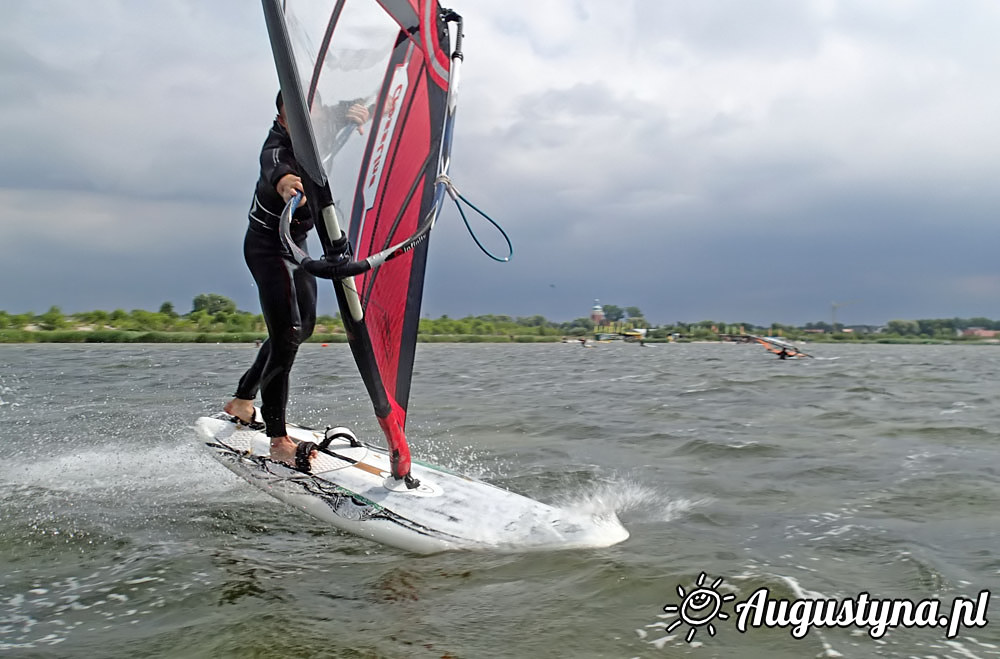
(287,292)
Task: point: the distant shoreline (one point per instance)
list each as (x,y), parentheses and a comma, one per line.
(12,337)
(215,319)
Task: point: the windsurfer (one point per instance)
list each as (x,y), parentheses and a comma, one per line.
(287,292)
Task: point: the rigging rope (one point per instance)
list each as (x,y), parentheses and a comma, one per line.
(457,197)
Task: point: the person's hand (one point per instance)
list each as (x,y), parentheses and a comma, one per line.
(288,185)
(358,114)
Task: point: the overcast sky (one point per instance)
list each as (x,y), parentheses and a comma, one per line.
(734,160)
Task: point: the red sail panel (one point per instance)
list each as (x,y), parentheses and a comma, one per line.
(395,192)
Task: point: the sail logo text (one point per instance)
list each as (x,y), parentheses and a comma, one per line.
(387,129)
(700,607)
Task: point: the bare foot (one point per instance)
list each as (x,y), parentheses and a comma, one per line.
(283,450)
(241,409)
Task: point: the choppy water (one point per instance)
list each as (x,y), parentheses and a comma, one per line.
(874,469)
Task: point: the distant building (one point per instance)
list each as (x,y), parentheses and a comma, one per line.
(981,333)
(597,314)
(862,329)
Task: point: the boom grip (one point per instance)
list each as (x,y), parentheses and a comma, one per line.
(330,270)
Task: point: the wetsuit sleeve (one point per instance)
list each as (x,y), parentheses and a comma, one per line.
(276,157)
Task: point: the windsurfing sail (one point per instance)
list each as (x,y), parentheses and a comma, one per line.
(780,347)
(369,89)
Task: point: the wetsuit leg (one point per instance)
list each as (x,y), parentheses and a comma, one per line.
(288,303)
(249,384)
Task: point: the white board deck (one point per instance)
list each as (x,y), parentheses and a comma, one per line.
(350,489)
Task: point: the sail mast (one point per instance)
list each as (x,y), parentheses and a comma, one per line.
(332,237)
(399,188)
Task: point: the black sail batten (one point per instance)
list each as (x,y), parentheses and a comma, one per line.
(296,109)
(323,48)
(411,324)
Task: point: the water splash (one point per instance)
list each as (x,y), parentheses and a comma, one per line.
(626,497)
(178,471)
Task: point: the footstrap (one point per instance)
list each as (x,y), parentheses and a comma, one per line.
(302,453)
(254,424)
(339,432)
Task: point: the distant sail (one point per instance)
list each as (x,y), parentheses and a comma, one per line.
(386,61)
(776,345)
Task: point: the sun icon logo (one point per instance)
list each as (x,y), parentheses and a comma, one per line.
(699,607)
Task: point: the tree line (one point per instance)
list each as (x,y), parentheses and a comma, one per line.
(212,315)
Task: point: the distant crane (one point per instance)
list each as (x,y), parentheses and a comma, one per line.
(833,315)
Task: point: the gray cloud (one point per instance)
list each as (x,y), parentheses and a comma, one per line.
(699,160)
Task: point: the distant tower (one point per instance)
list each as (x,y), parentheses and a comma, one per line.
(597,313)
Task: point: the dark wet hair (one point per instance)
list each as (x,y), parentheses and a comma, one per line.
(278,102)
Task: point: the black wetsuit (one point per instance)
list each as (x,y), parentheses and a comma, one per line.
(287,292)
